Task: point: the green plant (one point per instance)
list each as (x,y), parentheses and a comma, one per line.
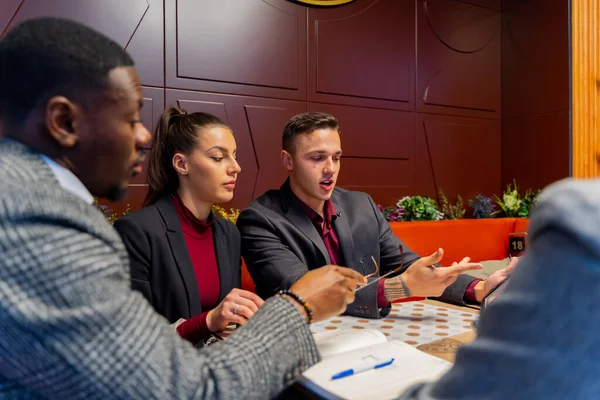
(528,202)
(417,208)
(231,215)
(450,211)
(110,215)
(512,205)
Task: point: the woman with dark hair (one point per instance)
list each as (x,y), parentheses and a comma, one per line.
(185,260)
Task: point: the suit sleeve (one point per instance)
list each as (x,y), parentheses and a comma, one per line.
(272,265)
(82,333)
(138,248)
(539,340)
(236,245)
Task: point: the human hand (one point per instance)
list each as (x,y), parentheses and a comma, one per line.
(483,288)
(328,290)
(237,307)
(423,279)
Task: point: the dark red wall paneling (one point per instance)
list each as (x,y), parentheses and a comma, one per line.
(8,8)
(146,45)
(461,147)
(491,4)
(363,54)
(458,59)
(239,47)
(535,93)
(117,19)
(462,95)
(535,64)
(536,149)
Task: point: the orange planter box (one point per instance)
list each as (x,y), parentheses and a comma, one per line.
(480,239)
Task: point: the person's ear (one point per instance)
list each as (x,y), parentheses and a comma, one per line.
(287,160)
(180,164)
(62,121)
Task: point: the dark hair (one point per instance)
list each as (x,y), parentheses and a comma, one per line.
(45,57)
(304,124)
(177,132)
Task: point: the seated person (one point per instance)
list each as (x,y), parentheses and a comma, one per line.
(71,326)
(309,223)
(185,260)
(539,339)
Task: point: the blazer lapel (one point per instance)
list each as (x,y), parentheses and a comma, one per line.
(344,234)
(223,261)
(301,221)
(180,252)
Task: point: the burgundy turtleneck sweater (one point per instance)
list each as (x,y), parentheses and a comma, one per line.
(198,237)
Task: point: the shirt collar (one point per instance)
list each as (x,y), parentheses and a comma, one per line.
(68,181)
(328,211)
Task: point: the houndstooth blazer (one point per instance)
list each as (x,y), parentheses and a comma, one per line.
(71,327)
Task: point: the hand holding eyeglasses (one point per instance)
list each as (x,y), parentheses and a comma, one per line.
(328,289)
(423,279)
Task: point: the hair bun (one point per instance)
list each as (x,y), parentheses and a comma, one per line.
(176,117)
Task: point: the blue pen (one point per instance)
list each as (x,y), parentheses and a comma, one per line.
(375,364)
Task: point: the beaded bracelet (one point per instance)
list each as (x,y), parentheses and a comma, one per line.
(301,301)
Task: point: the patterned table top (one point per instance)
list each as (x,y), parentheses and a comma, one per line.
(415,323)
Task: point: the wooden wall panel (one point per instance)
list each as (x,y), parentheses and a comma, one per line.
(363,54)
(535,149)
(135,24)
(116,19)
(535,58)
(239,46)
(147,45)
(458,59)
(373,133)
(386,180)
(508,4)
(464,154)
(536,133)
(8,8)
(491,4)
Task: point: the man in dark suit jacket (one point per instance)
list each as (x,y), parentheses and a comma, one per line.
(309,223)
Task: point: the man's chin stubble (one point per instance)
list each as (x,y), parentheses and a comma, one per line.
(116,194)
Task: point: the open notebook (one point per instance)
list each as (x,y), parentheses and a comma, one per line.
(345,348)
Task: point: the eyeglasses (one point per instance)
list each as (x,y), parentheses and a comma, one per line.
(397,269)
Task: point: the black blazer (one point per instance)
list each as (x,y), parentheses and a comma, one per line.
(161,268)
(280,244)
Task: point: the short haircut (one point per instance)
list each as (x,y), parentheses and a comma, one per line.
(45,57)
(305,124)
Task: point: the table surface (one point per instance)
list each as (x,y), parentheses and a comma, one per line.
(446,347)
(431,326)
